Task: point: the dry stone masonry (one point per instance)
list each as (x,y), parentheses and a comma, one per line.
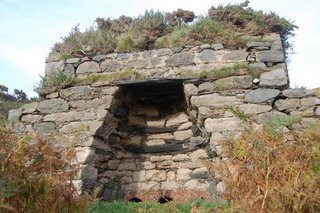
(153,137)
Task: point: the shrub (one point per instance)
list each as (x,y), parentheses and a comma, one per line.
(53,81)
(266,174)
(35,177)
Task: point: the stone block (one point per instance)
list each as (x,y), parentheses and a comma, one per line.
(270,56)
(161,136)
(134,141)
(89,173)
(310,102)
(52,106)
(196,141)
(183,135)
(295,93)
(155,142)
(261,95)
(147,165)
(84,155)
(201,173)
(160,158)
(156,123)
(168,164)
(99,58)
(177,119)
(190,89)
(180,158)
(180,59)
(185,126)
(77,93)
(287,104)
(102,102)
(73,60)
(31,118)
(89,127)
(206,55)
(235,82)
(214,100)
(136,121)
(54,67)
(253,109)
(88,67)
(127,165)
(44,127)
(184,174)
(156,175)
(258,45)
(206,87)
(14,115)
(198,155)
(171,175)
(275,79)
(235,56)
(217,46)
(170,185)
(222,124)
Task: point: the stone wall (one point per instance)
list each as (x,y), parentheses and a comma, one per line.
(153,138)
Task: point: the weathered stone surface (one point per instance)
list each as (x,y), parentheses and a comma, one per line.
(294,93)
(277,45)
(176,49)
(261,95)
(206,87)
(134,140)
(76,116)
(287,104)
(190,89)
(310,102)
(52,106)
(309,122)
(180,158)
(77,93)
(103,102)
(160,158)
(31,118)
(163,52)
(235,82)
(52,95)
(54,67)
(127,165)
(222,124)
(123,56)
(170,185)
(155,142)
(14,114)
(276,78)
(72,60)
(137,64)
(183,135)
(221,188)
(200,173)
(84,155)
(268,116)
(111,66)
(167,164)
(136,120)
(156,175)
(88,127)
(88,67)
(217,46)
(177,119)
(180,59)
(205,46)
(196,141)
(147,165)
(44,127)
(252,109)
(214,100)
(161,136)
(198,154)
(235,56)
(183,174)
(99,58)
(156,123)
(206,55)
(258,65)
(171,175)
(195,184)
(89,172)
(258,45)
(184,126)
(270,56)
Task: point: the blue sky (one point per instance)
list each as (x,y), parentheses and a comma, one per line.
(29,28)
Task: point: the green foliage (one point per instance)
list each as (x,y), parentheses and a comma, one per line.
(197,205)
(35,177)
(54,81)
(238,113)
(277,123)
(109,77)
(227,25)
(267,174)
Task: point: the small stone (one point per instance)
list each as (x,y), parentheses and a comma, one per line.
(156,123)
(14,115)
(171,175)
(256,81)
(198,154)
(206,87)
(294,93)
(180,158)
(127,165)
(190,89)
(160,158)
(177,119)
(183,135)
(185,126)
(84,155)
(73,60)
(221,188)
(31,118)
(287,104)
(206,55)
(258,45)
(261,95)
(222,124)
(317,112)
(217,46)
(99,58)
(200,173)
(270,56)
(183,174)
(89,172)
(205,46)
(180,59)
(196,141)
(134,141)
(123,56)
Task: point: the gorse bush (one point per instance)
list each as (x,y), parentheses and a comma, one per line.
(35,177)
(265,173)
(226,25)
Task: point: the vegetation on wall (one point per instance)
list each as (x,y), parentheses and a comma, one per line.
(266,172)
(231,25)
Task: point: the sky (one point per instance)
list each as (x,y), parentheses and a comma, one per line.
(29,28)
